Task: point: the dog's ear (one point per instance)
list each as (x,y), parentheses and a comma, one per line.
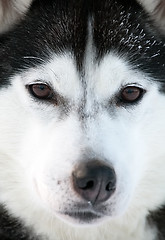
(156,9)
(11,11)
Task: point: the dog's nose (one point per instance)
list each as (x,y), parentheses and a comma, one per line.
(94,181)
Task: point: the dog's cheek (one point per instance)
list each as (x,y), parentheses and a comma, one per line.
(48,156)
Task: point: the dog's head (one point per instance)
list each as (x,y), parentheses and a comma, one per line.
(82,111)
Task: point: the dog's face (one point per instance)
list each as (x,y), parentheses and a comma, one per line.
(82,121)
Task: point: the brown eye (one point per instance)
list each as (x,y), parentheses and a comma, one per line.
(41,91)
(131,94)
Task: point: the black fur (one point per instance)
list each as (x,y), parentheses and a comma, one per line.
(157,218)
(12,229)
(62,25)
(124,28)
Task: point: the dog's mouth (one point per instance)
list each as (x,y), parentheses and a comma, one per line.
(85,213)
(84,216)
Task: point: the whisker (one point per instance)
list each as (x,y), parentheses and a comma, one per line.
(33,57)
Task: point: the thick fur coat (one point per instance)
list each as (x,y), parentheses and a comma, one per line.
(82,113)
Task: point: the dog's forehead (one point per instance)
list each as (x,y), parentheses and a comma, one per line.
(114,25)
(63,26)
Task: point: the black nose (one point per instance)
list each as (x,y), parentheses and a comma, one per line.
(94,181)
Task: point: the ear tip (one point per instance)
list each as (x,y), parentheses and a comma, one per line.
(160,14)
(11,11)
(156,10)
(160,9)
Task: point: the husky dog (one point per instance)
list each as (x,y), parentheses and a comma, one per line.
(82,120)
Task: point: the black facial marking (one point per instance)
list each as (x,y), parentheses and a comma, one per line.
(157,218)
(59,26)
(121,26)
(12,229)
(50,26)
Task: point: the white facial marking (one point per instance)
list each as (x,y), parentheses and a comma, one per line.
(41,149)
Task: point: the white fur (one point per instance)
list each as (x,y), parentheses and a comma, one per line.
(38,150)
(11,11)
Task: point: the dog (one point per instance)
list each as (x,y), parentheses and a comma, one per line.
(82,120)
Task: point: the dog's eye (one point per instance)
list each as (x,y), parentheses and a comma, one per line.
(40,90)
(131,94)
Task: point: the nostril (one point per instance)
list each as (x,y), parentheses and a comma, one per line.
(84,183)
(110,187)
(87,185)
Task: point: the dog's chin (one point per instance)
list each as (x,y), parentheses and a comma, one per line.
(81,218)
